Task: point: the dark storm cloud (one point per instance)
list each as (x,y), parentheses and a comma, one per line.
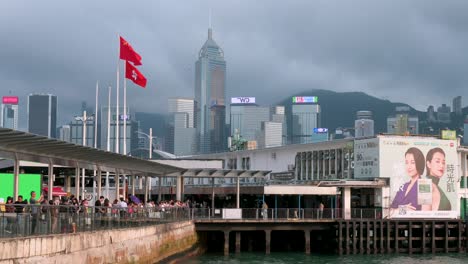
(408,51)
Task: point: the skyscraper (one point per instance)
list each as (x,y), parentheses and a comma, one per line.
(132,128)
(9,117)
(247,118)
(42,114)
(210,87)
(457,105)
(443,114)
(305,116)
(402,122)
(183,133)
(364,124)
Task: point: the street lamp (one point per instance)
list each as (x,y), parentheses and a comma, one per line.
(84,119)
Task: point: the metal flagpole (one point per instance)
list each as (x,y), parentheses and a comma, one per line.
(95,135)
(85,118)
(117,128)
(125,112)
(108,137)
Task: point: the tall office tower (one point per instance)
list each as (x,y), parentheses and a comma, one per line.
(76,130)
(457,105)
(42,114)
(247,117)
(9,117)
(402,122)
(271,135)
(305,116)
(183,137)
(443,113)
(132,129)
(210,87)
(64,133)
(278,114)
(364,124)
(431,118)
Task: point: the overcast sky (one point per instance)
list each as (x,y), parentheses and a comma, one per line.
(413,52)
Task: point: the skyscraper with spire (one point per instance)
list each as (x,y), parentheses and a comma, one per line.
(210,87)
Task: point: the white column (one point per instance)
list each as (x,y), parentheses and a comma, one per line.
(77,182)
(346,198)
(51,181)
(16,169)
(99,183)
(179,188)
(117,184)
(160,189)
(146,189)
(237,192)
(133,185)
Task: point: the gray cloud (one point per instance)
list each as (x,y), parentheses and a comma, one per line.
(407,51)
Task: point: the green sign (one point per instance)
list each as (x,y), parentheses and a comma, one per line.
(26,184)
(449,134)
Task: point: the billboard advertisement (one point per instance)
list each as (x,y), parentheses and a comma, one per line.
(242,100)
(10,100)
(423,174)
(304,99)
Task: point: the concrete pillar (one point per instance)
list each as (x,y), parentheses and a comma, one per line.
(16,170)
(226,243)
(124,186)
(237,193)
(146,189)
(212,197)
(307,241)
(346,198)
(133,185)
(99,183)
(238,242)
(83,175)
(160,189)
(51,181)
(117,184)
(140,182)
(179,188)
(77,182)
(68,184)
(267,241)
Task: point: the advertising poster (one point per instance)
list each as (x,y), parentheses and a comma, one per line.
(423,176)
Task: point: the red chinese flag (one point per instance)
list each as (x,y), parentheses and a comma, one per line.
(128,53)
(132,73)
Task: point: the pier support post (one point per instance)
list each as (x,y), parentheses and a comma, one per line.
(226,243)
(16,172)
(51,181)
(77,182)
(238,242)
(307,241)
(346,196)
(267,241)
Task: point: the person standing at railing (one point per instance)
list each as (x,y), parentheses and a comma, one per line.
(20,205)
(9,209)
(265,211)
(34,210)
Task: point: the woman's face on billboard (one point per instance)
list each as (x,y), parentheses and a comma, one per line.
(436,166)
(411,165)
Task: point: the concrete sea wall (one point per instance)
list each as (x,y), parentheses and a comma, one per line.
(147,244)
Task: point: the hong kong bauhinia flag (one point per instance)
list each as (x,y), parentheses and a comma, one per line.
(128,53)
(132,73)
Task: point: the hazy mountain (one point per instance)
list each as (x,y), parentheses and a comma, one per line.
(339,109)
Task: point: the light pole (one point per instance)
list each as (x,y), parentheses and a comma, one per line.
(84,119)
(150,156)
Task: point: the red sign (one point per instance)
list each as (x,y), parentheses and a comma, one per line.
(10,99)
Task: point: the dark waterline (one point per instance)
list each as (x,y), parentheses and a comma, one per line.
(298,258)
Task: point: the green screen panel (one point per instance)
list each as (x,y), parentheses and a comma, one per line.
(27,183)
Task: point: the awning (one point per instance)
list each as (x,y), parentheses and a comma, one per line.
(56,191)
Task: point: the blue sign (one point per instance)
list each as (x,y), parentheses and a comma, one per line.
(320,130)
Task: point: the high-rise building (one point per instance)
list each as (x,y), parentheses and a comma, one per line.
(443,113)
(64,133)
(457,105)
(305,116)
(132,129)
(183,137)
(272,135)
(76,131)
(9,115)
(247,118)
(278,114)
(42,114)
(431,118)
(210,87)
(402,122)
(364,124)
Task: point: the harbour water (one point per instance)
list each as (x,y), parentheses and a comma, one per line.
(298,258)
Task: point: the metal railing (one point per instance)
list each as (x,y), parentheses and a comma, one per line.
(31,220)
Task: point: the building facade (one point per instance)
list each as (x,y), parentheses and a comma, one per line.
(247,120)
(42,114)
(443,114)
(457,105)
(364,124)
(210,87)
(183,133)
(9,112)
(304,117)
(132,129)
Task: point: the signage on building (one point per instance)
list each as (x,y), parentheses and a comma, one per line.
(422,173)
(126,117)
(449,134)
(282,176)
(304,99)
(10,100)
(242,100)
(320,130)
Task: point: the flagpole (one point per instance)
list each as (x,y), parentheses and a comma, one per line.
(117,128)
(95,135)
(108,136)
(125,112)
